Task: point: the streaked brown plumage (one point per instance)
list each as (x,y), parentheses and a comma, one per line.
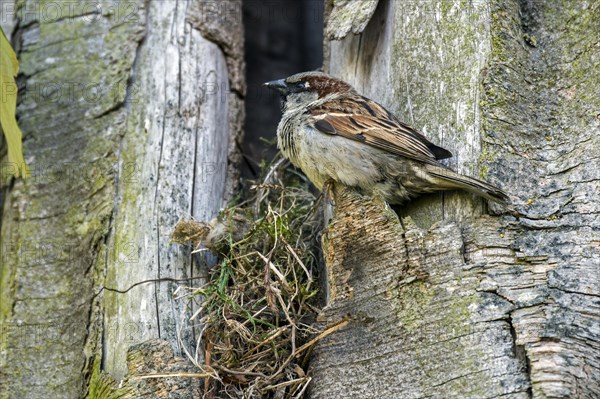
(331,132)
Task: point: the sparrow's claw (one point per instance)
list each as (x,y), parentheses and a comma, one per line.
(328,191)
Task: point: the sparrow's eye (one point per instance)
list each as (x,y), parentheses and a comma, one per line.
(299,86)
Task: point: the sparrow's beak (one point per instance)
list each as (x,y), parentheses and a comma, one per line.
(278,85)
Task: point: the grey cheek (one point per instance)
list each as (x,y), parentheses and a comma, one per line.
(299,100)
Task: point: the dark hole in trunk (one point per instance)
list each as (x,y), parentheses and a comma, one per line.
(282,38)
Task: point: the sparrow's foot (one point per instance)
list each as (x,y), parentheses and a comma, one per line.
(328,191)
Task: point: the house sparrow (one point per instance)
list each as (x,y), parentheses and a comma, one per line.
(331,132)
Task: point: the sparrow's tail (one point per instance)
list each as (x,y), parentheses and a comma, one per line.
(451,180)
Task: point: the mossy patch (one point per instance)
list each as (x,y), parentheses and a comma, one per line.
(103,386)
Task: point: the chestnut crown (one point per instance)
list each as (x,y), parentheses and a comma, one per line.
(316,82)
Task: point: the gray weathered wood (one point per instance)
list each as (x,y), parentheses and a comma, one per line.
(178,169)
(7,18)
(450,302)
(146,136)
(71,110)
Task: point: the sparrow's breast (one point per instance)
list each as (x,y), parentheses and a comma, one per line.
(322,157)
(286,136)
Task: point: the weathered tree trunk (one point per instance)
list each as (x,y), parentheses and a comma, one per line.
(449,301)
(131,112)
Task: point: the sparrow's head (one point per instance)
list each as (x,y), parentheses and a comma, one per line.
(305,87)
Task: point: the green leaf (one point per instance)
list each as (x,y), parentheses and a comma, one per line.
(9,67)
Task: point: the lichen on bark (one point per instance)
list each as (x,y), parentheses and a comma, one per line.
(460,304)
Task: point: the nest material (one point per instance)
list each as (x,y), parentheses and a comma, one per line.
(260,305)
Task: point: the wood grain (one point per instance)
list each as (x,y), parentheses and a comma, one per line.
(449,302)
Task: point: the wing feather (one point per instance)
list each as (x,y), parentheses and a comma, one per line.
(361,119)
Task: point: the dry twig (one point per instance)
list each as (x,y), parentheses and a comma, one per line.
(259,305)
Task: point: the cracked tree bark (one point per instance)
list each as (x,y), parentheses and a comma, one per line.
(131,112)
(451,300)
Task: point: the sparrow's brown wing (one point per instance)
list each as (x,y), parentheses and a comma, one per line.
(361,119)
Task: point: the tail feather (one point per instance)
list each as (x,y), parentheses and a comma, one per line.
(453,180)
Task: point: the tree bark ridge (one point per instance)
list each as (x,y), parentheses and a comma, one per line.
(463,305)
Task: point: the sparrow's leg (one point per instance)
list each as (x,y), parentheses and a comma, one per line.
(328,195)
(328,191)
